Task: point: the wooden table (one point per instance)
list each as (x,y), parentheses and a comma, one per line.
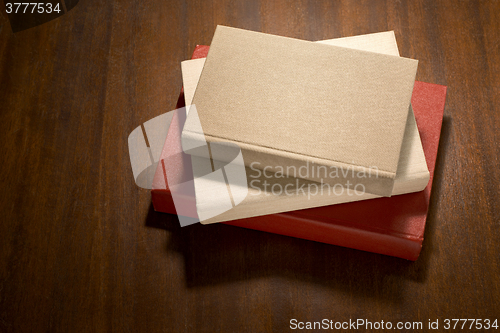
(82,249)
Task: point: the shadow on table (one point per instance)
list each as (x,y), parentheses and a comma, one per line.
(218,253)
(437,183)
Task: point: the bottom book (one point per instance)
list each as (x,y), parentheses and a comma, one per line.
(391,226)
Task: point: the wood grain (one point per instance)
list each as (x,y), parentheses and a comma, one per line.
(82,249)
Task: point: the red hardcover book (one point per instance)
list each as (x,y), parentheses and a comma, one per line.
(392,226)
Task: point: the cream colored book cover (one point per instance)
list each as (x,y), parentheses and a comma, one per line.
(412,174)
(288,102)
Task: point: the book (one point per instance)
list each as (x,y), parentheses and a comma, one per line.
(291,104)
(412,174)
(390,226)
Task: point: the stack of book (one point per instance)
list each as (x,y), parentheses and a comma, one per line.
(331,141)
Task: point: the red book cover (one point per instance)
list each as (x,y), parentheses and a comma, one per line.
(392,226)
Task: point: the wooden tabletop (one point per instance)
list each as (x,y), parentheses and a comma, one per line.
(82,250)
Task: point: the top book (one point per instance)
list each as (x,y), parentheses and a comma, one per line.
(291,104)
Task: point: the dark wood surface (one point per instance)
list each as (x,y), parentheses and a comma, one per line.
(81,249)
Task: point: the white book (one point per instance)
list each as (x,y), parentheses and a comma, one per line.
(270,194)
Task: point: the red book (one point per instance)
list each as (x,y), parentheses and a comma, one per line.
(392,226)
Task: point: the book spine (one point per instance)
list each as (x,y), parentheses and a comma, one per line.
(364,179)
(406,247)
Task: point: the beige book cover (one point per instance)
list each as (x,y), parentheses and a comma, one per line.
(288,102)
(411,176)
